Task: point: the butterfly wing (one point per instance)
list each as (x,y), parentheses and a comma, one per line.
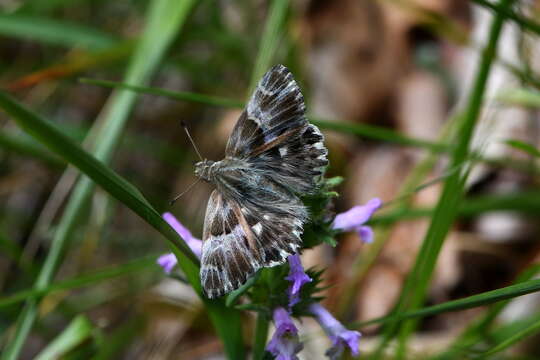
(255,217)
(274,135)
(239,239)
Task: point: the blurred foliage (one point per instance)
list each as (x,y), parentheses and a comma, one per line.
(60,235)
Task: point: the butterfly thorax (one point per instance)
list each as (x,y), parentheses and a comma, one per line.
(210,171)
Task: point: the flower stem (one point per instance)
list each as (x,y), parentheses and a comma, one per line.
(261,334)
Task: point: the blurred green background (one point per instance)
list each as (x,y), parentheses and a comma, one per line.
(396,86)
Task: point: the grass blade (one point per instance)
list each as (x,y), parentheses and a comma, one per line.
(164,19)
(73,63)
(117,186)
(523,146)
(520,97)
(516,337)
(176,95)
(377,133)
(119,339)
(368,131)
(485,298)
(21,145)
(261,334)
(477,330)
(269,40)
(512,15)
(77,332)
(54,32)
(81,281)
(418,280)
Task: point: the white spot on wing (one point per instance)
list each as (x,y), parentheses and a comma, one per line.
(257,228)
(283,151)
(319,146)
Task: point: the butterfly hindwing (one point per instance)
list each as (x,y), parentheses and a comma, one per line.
(238,240)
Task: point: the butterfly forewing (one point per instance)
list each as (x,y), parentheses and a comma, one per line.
(255,217)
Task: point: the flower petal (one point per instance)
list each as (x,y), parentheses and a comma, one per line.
(356,216)
(365,233)
(298,277)
(167,262)
(340,336)
(285,343)
(194,244)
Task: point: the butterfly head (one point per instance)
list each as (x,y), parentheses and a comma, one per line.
(204,169)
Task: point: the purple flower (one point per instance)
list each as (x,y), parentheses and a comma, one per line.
(298,277)
(194,244)
(340,336)
(284,344)
(354,219)
(167,262)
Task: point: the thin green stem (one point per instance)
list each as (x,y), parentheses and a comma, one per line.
(479,327)
(269,40)
(368,131)
(486,298)
(176,95)
(364,261)
(261,334)
(80,281)
(530,330)
(418,281)
(165,17)
(510,14)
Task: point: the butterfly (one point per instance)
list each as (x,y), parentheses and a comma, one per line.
(254,217)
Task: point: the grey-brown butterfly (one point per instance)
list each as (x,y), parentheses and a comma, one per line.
(255,217)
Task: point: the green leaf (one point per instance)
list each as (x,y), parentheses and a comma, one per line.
(24,146)
(227,321)
(418,280)
(119,338)
(368,131)
(377,133)
(520,97)
(523,146)
(77,332)
(482,299)
(526,202)
(164,19)
(522,21)
(331,183)
(53,32)
(261,334)
(252,307)
(235,295)
(515,337)
(82,280)
(176,95)
(330,240)
(113,183)
(477,330)
(273,30)
(12,250)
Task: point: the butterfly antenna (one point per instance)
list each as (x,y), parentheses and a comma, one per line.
(184,125)
(183,192)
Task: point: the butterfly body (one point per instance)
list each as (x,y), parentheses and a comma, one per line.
(255,217)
